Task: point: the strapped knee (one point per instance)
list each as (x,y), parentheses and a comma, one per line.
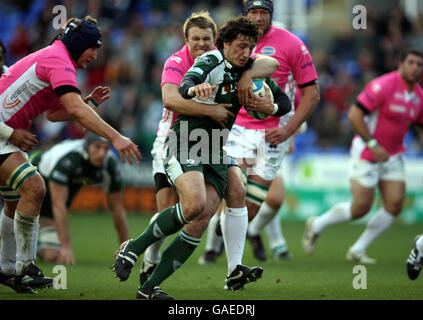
(48,239)
(256,192)
(9,194)
(20,174)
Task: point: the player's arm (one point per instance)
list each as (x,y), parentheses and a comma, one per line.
(172,100)
(280,105)
(116,204)
(88,118)
(310,96)
(20,138)
(262,67)
(59,197)
(98,96)
(356,116)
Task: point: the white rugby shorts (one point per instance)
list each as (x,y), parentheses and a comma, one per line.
(250,144)
(369,173)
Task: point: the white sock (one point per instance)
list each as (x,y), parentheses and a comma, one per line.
(419,245)
(381,221)
(213,240)
(26,233)
(152,254)
(274,233)
(339,213)
(8,244)
(234,230)
(263,217)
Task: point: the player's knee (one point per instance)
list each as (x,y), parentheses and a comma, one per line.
(34,188)
(235,196)
(274,200)
(193,208)
(394,207)
(359,210)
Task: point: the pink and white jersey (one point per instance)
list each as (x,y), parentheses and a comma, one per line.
(295,68)
(392,109)
(173,71)
(27,88)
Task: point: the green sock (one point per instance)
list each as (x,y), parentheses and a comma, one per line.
(173,257)
(169,221)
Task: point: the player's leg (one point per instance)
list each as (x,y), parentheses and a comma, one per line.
(214,242)
(267,219)
(8,242)
(392,190)
(48,243)
(364,177)
(234,224)
(393,194)
(21,176)
(166,196)
(415,258)
(181,248)
(191,191)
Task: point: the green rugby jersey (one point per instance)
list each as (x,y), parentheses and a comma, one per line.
(67,164)
(213,68)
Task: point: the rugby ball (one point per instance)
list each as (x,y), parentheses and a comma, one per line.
(259,86)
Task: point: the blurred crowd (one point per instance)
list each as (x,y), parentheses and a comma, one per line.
(138,36)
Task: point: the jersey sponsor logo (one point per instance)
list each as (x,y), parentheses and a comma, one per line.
(376,87)
(59,176)
(304,50)
(206,60)
(268,51)
(196,70)
(176,59)
(228,88)
(306,65)
(397,108)
(174,69)
(71,70)
(14,100)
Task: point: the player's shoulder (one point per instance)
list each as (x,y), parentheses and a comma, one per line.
(55,55)
(384,82)
(212,57)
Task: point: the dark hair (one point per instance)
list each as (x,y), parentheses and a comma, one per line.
(3,48)
(235,26)
(405,52)
(201,20)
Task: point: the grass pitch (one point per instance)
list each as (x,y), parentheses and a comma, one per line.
(325,276)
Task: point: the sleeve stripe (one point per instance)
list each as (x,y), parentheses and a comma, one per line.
(362,107)
(61,90)
(310,83)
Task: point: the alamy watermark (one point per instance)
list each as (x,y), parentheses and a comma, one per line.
(360,280)
(360,20)
(59,20)
(60,282)
(201,146)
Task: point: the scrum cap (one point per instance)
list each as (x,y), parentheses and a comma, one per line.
(80,36)
(259,4)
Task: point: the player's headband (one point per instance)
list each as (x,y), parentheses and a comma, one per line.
(259,4)
(80,36)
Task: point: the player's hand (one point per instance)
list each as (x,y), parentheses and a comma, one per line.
(127,149)
(277,135)
(291,145)
(66,256)
(221,114)
(380,153)
(100,94)
(261,104)
(23,139)
(245,89)
(202,91)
